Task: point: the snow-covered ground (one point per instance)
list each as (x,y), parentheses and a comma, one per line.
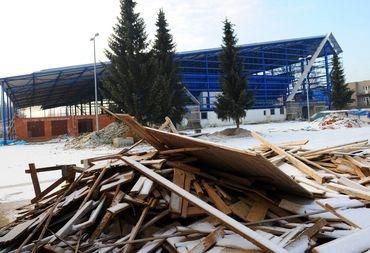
(16,185)
(278,132)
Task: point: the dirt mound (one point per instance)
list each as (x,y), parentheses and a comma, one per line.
(236,132)
(104,136)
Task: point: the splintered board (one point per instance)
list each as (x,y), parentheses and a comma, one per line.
(220,157)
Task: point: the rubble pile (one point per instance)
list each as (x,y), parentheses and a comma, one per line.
(104,136)
(339,120)
(189,195)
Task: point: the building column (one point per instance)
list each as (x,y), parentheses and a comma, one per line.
(328,79)
(3,113)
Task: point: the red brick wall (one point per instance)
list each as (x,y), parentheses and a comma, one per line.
(20,125)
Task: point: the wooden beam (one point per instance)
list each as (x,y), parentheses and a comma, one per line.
(176,200)
(355,242)
(35,180)
(171,125)
(135,230)
(216,199)
(350,191)
(234,225)
(258,211)
(345,181)
(208,241)
(180,150)
(187,184)
(47,190)
(300,165)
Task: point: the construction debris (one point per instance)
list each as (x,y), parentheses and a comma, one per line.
(189,195)
(338,120)
(104,136)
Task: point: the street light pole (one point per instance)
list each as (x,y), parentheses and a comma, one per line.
(307,84)
(96,85)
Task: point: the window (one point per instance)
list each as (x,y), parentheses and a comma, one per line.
(59,127)
(264,112)
(204,115)
(281,110)
(36,129)
(85,126)
(272,111)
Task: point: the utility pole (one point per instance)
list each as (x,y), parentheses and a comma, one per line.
(96,85)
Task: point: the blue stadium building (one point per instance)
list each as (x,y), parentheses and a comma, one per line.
(283,75)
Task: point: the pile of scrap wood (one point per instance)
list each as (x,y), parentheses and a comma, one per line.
(189,195)
(339,120)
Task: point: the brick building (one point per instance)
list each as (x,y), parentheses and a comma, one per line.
(361,95)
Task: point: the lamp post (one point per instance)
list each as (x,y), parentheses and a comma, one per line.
(96,85)
(304,59)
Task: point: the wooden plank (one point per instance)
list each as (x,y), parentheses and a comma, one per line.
(107,216)
(195,211)
(345,181)
(187,184)
(350,191)
(180,150)
(198,189)
(357,163)
(176,200)
(223,193)
(241,210)
(231,160)
(35,180)
(135,230)
(135,126)
(353,243)
(121,179)
(47,190)
(118,208)
(300,165)
(146,189)
(16,231)
(171,125)
(67,228)
(138,185)
(234,225)
(336,213)
(333,148)
(208,241)
(216,199)
(297,243)
(52,168)
(257,212)
(364,181)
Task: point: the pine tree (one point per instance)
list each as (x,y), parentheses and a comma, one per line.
(340,94)
(235,97)
(167,92)
(131,70)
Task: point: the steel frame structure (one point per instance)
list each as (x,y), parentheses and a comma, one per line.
(273,69)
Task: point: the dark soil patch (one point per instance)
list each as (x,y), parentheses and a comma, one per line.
(237,132)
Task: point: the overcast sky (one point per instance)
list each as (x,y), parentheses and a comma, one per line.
(41,34)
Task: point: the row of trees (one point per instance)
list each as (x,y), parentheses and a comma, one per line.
(144,81)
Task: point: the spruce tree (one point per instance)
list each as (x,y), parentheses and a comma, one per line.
(167,93)
(341,94)
(131,71)
(235,97)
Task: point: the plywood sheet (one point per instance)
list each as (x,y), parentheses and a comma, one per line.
(231,160)
(219,157)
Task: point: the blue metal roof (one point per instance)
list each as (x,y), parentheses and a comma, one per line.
(75,84)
